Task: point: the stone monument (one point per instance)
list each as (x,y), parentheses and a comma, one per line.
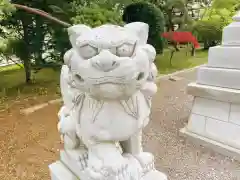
(215,115)
(107,83)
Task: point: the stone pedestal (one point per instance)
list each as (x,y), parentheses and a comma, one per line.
(58,171)
(215,115)
(72,166)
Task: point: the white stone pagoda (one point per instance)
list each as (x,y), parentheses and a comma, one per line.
(215,114)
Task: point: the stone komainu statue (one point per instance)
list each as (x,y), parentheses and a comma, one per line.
(107,84)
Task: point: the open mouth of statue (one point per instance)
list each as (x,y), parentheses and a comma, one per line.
(111,79)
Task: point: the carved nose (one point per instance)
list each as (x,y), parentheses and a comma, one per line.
(106,64)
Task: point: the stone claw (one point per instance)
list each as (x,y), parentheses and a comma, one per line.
(146,160)
(117,172)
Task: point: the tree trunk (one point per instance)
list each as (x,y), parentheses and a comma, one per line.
(193,51)
(175,45)
(26,56)
(40,35)
(27,69)
(206,45)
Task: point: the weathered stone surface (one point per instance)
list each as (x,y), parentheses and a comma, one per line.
(197,123)
(234,116)
(58,171)
(74,160)
(224,57)
(213,92)
(220,77)
(224,132)
(215,112)
(211,108)
(231,32)
(107,84)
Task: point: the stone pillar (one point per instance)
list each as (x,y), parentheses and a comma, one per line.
(107,83)
(215,114)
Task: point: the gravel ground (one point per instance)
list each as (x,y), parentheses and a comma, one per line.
(28,144)
(179,159)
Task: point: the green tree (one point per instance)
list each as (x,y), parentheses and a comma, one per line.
(150,14)
(176,14)
(209,32)
(6,8)
(29,35)
(92,13)
(229,4)
(209,28)
(95,15)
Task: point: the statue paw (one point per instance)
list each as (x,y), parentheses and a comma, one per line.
(154,175)
(117,171)
(67,129)
(70,141)
(146,160)
(66,124)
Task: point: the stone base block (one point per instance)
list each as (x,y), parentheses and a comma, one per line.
(59,171)
(230,34)
(213,92)
(220,77)
(215,122)
(207,108)
(224,57)
(214,145)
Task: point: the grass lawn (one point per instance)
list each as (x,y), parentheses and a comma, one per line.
(46,81)
(12,85)
(179,61)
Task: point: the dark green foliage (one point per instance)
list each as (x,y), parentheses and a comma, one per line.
(17,47)
(150,14)
(209,29)
(209,32)
(36,41)
(94,15)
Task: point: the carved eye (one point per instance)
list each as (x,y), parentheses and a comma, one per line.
(125,50)
(88,51)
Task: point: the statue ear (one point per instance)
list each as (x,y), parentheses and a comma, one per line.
(140,29)
(77,30)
